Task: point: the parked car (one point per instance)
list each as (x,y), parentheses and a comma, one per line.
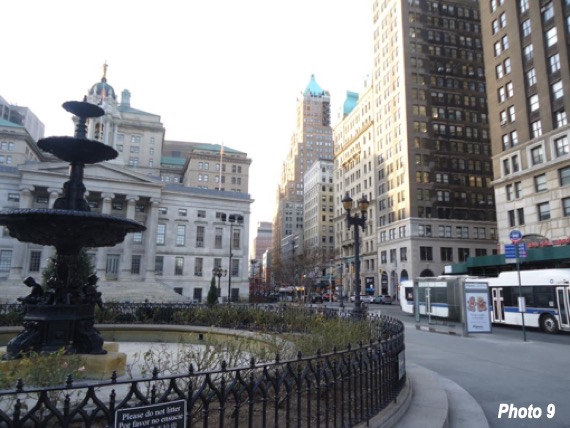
(316,298)
(364,298)
(377,300)
(327,297)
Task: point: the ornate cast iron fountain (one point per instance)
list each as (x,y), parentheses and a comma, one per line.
(63,314)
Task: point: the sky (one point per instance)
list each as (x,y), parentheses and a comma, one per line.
(216,71)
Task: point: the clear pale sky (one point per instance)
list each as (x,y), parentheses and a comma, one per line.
(215,70)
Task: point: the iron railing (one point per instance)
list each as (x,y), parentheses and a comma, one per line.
(337,389)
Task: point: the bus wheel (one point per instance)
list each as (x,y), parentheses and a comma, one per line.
(548,324)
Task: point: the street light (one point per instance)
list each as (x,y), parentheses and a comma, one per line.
(219,272)
(356,221)
(232,218)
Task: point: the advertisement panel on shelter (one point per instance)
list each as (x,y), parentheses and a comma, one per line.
(477,314)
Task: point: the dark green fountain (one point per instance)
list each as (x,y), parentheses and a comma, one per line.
(62,315)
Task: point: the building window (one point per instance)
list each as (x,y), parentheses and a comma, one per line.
(446,254)
(512,114)
(35,260)
(543,211)
(509,192)
(236,239)
(560,119)
(463,254)
(14,197)
(161,234)
(179,266)
(537,155)
(181,235)
(136,265)
(520,215)
(564,174)
(42,200)
(426,254)
(526,28)
(235,267)
(511,215)
(117,206)
(515,162)
(218,238)
(561,146)
(139,208)
(403,254)
(554,63)
(551,37)
(200,230)
(5,260)
(462,232)
(506,166)
(540,184)
(531,77)
(566,207)
(557,90)
(159,265)
(533,103)
(201,214)
(444,231)
(518,189)
(536,129)
(162,210)
(137,237)
(198,266)
(528,52)
(182,212)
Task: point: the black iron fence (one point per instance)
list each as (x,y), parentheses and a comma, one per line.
(337,389)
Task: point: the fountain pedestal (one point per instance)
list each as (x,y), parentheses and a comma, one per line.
(49,328)
(61,314)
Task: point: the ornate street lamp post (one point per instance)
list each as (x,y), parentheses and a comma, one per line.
(238,219)
(219,272)
(356,221)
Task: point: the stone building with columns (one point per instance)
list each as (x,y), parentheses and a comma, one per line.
(186,232)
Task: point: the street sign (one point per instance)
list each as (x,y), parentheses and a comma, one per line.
(511,251)
(515,236)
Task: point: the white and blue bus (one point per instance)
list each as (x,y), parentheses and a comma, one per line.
(546,293)
(406,296)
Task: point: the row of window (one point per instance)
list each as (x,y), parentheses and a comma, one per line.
(560,147)
(426,254)
(136,263)
(6,146)
(236,169)
(461,232)
(200,236)
(543,210)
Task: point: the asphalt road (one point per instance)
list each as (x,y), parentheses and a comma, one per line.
(500,370)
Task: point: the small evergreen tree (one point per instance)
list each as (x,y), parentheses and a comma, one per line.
(82,268)
(213,293)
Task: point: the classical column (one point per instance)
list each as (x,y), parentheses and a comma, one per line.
(49,252)
(101,264)
(150,241)
(19,248)
(127,255)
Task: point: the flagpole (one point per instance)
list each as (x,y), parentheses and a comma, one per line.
(221,166)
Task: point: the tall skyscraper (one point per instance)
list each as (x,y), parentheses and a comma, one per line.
(311,141)
(528,80)
(430,150)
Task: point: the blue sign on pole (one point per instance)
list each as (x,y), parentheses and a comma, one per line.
(515,236)
(511,251)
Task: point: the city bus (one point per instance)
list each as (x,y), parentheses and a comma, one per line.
(406,296)
(546,293)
